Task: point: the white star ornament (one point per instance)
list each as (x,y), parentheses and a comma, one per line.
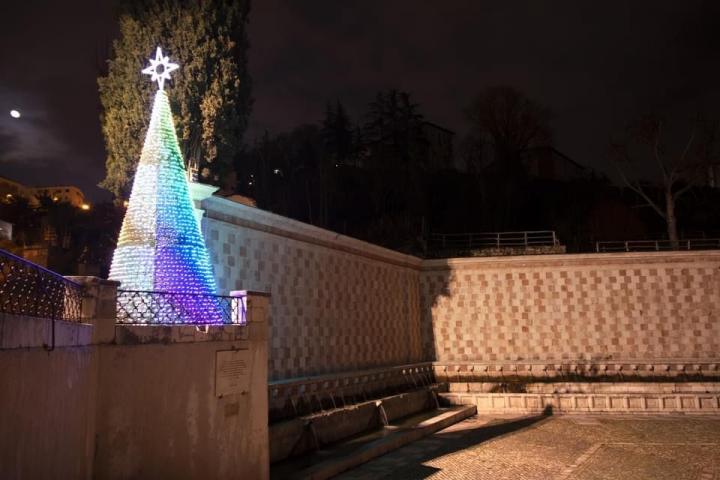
(165,67)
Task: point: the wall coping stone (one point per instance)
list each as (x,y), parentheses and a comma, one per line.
(22,331)
(573,259)
(248,293)
(217,208)
(167,334)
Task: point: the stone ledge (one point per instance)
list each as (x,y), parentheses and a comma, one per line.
(167,334)
(300,396)
(534,371)
(574,260)
(19,331)
(587,403)
(604,388)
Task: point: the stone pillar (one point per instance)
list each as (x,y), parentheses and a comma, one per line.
(257,306)
(99,307)
(198,193)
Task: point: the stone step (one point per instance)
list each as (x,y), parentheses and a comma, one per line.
(332,460)
(583,403)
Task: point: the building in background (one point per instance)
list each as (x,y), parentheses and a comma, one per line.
(59,193)
(548,163)
(64,193)
(10,188)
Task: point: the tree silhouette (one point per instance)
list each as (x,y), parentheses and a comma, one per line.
(211,91)
(678,171)
(504,125)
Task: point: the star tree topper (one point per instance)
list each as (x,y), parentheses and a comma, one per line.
(164,73)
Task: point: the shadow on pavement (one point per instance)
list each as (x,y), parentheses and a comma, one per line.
(448,442)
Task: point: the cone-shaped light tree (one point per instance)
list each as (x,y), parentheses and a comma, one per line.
(161,247)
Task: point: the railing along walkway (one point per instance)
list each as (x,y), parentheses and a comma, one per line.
(31,290)
(475,241)
(657,245)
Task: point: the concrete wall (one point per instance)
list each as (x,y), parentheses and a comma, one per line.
(339,304)
(47,400)
(160,416)
(644,308)
(130,401)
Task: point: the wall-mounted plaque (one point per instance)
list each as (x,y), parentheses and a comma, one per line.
(232,372)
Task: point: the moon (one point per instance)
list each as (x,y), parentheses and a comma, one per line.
(14,114)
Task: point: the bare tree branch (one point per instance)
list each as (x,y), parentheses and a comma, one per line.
(677,169)
(638,189)
(656,150)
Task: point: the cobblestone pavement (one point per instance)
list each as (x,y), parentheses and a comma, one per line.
(567,447)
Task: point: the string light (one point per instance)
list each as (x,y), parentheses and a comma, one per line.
(161,247)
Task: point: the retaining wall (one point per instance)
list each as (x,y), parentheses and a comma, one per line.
(341,306)
(598,314)
(338,304)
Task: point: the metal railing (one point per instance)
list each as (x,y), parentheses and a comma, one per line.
(657,245)
(474,241)
(31,290)
(166,308)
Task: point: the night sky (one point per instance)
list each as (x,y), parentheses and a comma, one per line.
(596,65)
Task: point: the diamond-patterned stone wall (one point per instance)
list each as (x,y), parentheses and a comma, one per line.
(649,306)
(339,304)
(336,304)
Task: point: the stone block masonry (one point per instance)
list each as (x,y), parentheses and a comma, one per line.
(342,305)
(641,312)
(339,304)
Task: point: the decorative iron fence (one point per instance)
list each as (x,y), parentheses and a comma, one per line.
(29,289)
(657,245)
(166,308)
(476,241)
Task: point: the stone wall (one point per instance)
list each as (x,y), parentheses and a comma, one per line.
(338,304)
(160,412)
(107,401)
(342,305)
(636,311)
(47,399)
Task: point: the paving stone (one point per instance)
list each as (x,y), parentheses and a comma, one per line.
(564,448)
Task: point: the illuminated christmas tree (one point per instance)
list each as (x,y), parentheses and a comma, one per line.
(161,247)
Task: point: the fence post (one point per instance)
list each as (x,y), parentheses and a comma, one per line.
(526,240)
(99,307)
(497,239)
